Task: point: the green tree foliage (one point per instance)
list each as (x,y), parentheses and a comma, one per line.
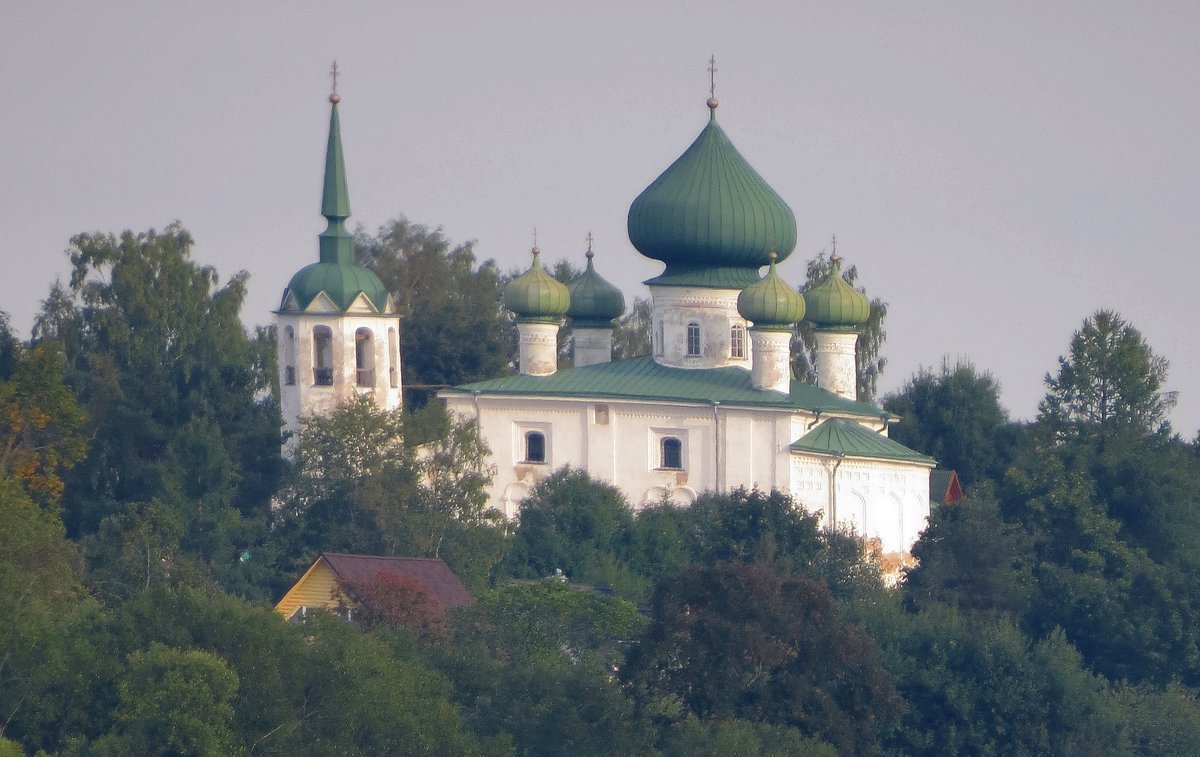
(173,702)
(738,641)
(971,558)
(955,417)
(741,738)
(1111,379)
(450,306)
(631,335)
(177,412)
(355,486)
(870,337)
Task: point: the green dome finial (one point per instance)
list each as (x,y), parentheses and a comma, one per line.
(834,304)
(536,296)
(595,303)
(710,217)
(770,304)
(336,274)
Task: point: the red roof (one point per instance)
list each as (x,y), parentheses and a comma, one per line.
(431,571)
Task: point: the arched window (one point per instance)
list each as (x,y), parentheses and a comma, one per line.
(322,356)
(693,339)
(393,359)
(672,453)
(364,356)
(289,356)
(658,338)
(737,341)
(535,447)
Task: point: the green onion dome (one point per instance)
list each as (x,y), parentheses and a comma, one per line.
(595,303)
(336,274)
(770,304)
(710,217)
(834,304)
(536,296)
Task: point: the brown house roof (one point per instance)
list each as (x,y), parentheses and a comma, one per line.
(431,571)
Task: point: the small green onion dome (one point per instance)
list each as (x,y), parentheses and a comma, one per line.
(834,304)
(595,303)
(536,296)
(770,304)
(710,216)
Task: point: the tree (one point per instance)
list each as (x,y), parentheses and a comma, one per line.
(955,417)
(451,307)
(871,335)
(1110,380)
(738,641)
(160,360)
(631,336)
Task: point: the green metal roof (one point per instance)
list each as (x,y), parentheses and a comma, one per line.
(841,437)
(594,301)
(336,274)
(641,378)
(536,295)
(710,208)
(834,303)
(771,304)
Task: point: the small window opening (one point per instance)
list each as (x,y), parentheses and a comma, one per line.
(658,339)
(364,357)
(672,453)
(737,341)
(535,447)
(693,339)
(289,356)
(322,356)
(393,359)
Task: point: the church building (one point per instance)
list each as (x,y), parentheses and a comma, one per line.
(714,407)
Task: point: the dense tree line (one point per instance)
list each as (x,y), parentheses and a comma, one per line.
(147,522)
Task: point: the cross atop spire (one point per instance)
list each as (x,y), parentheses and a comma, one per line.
(589,249)
(712,83)
(334,97)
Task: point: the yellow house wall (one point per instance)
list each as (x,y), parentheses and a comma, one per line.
(316,588)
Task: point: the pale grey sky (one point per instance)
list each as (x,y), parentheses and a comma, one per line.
(997,170)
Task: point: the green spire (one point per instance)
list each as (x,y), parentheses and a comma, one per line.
(337,245)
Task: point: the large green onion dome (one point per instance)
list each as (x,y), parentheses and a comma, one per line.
(710,217)
(770,304)
(536,295)
(336,274)
(595,303)
(834,304)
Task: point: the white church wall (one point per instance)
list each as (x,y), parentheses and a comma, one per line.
(713,310)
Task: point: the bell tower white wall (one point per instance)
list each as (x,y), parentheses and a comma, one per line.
(592,345)
(362,357)
(538,347)
(771,360)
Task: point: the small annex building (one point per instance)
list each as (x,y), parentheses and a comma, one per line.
(318,587)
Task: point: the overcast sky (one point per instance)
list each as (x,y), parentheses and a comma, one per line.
(997,170)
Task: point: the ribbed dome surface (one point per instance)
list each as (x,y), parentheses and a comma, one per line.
(340,281)
(594,301)
(835,304)
(710,217)
(536,295)
(770,304)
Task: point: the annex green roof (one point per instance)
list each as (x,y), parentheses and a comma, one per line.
(846,438)
(771,304)
(711,210)
(834,304)
(536,295)
(594,301)
(336,273)
(641,378)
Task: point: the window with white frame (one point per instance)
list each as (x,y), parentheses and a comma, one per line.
(737,341)
(693,339)
(535,447)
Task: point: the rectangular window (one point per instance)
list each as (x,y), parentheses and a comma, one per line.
(693,339)
(737,341)
(535,447)
(671,456)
